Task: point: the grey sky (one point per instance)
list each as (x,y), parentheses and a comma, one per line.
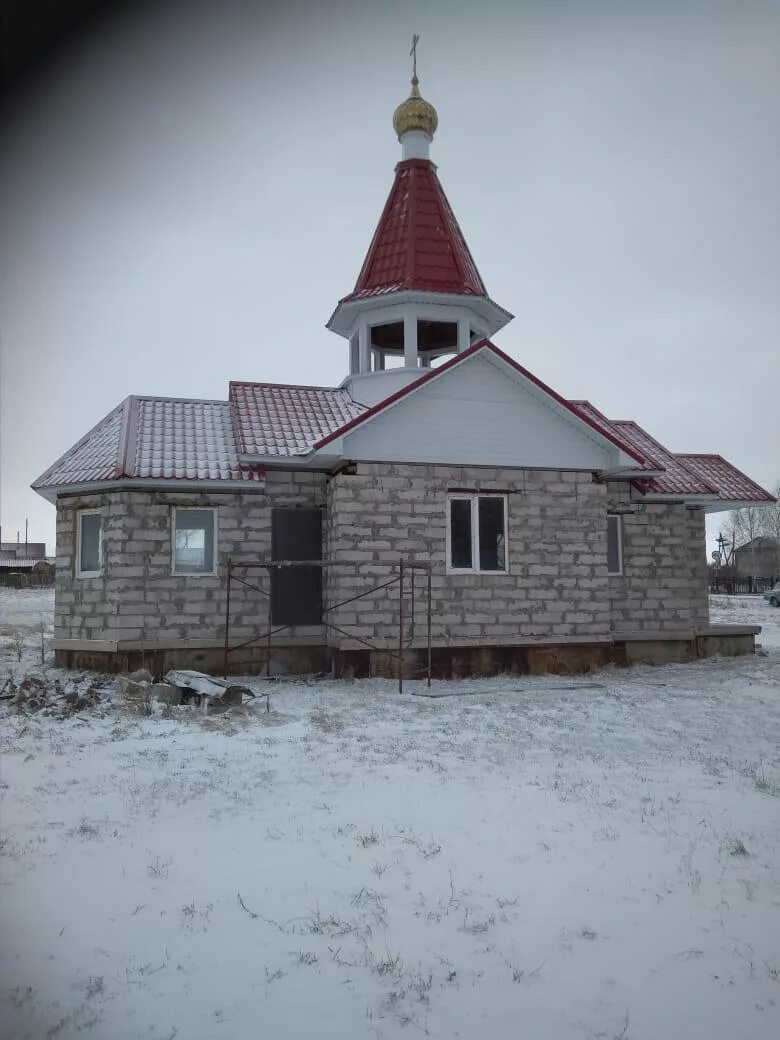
(187,198)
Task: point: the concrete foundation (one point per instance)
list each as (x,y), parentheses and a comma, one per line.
(447,662)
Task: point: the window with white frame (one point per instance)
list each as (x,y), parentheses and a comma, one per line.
(89,549)
(476,534)
(614,543)
(194,541)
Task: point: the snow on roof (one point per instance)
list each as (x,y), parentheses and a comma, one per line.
(90,460)
(162,438)
(184,440)
(275,419)
(418,243)
(154,438)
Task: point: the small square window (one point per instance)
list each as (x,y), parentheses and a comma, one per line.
(476,534)
(614,543)
(89,554)
(194,538)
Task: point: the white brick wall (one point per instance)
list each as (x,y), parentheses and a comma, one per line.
(664,582)
(557,586)
(137,597)
(557,527)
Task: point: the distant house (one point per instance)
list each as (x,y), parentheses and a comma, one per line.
(22,564)
(544,535)
(22,551)
(758,558)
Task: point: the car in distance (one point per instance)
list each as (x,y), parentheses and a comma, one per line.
(773,595)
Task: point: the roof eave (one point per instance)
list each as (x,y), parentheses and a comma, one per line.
(678,496)
(726,506)
(631,473)
(344,317)
(301,461)
(52,492)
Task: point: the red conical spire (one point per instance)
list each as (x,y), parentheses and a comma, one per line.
(418,243)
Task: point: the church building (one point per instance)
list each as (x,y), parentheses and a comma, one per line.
(440,508)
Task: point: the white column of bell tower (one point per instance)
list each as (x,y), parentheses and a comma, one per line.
(364,348)
(410,341)
(464,334)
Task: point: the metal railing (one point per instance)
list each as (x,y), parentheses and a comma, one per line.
(405,578)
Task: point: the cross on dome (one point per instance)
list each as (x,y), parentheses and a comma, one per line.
(415,114)
(419,296)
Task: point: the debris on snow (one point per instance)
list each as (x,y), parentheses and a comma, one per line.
(35,693)
(205,689)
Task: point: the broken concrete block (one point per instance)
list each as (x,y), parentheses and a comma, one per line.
(166,694)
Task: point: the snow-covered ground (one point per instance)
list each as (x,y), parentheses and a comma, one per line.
(748,610)
(590,857)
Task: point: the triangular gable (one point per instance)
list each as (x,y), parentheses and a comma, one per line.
(479,408)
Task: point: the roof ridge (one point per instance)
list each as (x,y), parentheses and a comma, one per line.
(180,400)
(460,260)
(283,386)
(702,455)
(128,436)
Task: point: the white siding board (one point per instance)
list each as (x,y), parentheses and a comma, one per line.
(478,413)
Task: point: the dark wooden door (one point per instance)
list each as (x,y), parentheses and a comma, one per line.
(296,592)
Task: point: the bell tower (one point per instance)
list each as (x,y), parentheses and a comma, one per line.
(419,295)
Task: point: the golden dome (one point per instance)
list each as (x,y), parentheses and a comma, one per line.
(415,114)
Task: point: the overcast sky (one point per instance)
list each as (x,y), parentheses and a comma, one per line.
(188,194)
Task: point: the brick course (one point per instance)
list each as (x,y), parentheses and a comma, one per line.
(554,525)
(558,586)
(664,583)
(137,597)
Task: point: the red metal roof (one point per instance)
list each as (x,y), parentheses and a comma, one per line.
(184,439)
(597,418)
(417,243)
(678,479)
(730,483)
(92,459)
(277,419)
(684,474)
(155,438)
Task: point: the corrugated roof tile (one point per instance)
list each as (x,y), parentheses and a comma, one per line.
(277,420)
(418,243)
(731,484)
(155,438)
